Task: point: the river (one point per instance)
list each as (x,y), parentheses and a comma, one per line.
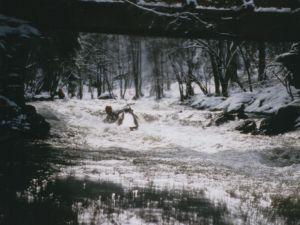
(175,169)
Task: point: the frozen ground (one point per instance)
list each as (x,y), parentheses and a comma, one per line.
(174,150)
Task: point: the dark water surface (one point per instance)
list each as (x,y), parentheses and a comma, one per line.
(32,194)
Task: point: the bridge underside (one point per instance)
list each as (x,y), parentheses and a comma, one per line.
(164,21)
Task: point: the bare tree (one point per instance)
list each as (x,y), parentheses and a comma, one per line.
(135,50)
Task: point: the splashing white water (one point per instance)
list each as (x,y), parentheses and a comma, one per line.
(175,149)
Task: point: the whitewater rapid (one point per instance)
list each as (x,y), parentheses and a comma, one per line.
(175,148)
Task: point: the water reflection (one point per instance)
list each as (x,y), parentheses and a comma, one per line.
(108,202)
(24,166)
(71,201)
(32,194)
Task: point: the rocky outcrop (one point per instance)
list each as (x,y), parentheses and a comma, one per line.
(16,39)
(22,121)
(38,126)
(107,96)
(224,118)
(284,120)
(247,127)
(232,115)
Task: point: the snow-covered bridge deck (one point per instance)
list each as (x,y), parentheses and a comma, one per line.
(122,17)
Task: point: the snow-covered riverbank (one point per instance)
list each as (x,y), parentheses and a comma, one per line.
(264,100)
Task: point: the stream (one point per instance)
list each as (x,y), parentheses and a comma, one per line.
(175,169)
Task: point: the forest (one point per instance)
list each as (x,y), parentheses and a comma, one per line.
(108,62)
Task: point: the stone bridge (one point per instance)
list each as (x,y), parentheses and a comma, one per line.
(276,20)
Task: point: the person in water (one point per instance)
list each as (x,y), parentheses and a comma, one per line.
(111,116)
(61,94)
(118,116)
(134,117)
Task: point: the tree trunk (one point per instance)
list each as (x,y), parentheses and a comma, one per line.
(91,90)
(189,80)
(215,74)
(292,62)
(261,61)
(99,84)
(156,55)
(247,68)
(135,47)
(80,88)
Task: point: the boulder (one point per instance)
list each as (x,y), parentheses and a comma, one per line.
(247,126)
(232,115)
(241,113)
(106,96)
(38,126)
(224,118)
(23,121)
(7,110)
(283,121)
(29,110)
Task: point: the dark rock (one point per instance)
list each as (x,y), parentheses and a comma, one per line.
(39,127)
(224,118)
(135,98)
(35,99)
(241,113)
(283,121)
(106,97)
(248,126)
(29,109)
(7,134)
(242,116)
(7,111)
(23,121)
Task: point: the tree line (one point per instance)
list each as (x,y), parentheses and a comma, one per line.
(105,63)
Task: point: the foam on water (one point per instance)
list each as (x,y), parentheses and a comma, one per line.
(175,149)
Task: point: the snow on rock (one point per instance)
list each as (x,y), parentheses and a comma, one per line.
(235,101)
(273,9)
(265,100)
(204,102)
(268,100)
(107,96)
(192,2)
(247,4)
